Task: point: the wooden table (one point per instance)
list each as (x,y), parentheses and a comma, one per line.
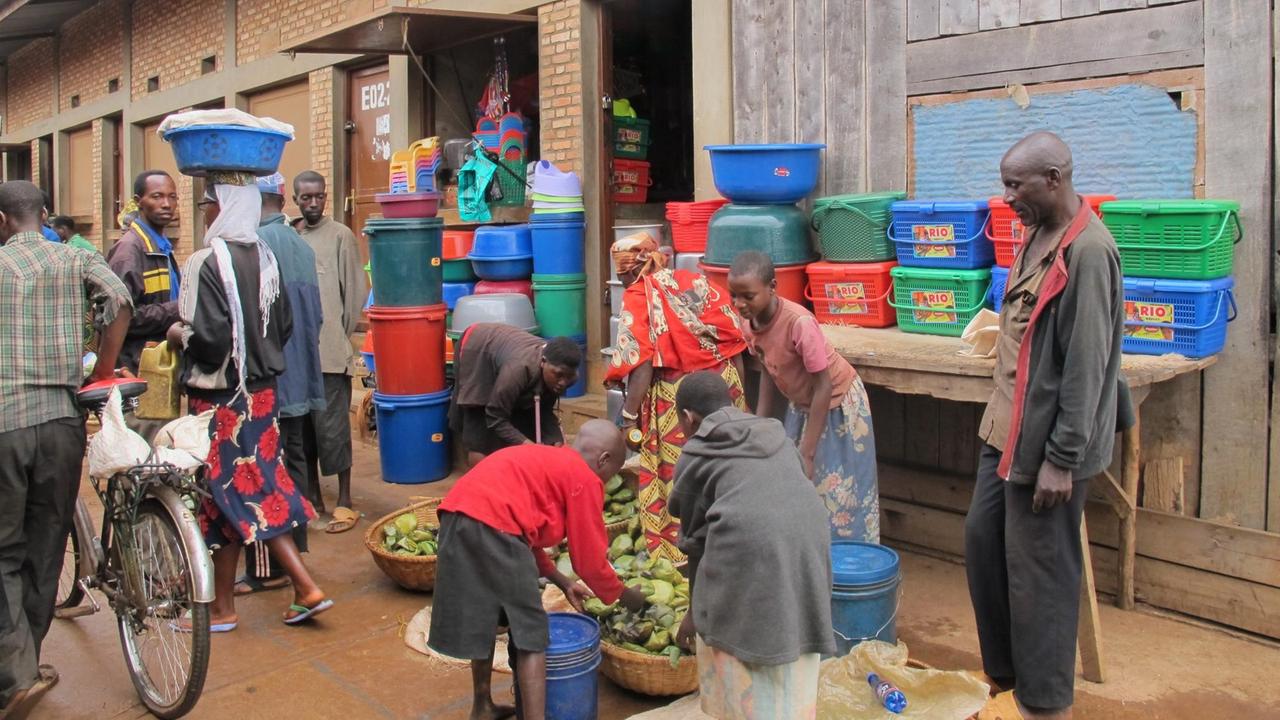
(932,365)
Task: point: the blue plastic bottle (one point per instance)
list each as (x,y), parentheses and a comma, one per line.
(891,697)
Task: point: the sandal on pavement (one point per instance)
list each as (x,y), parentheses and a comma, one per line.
(24,701)
(184,626)
(253,585)
(344,518)
(302,613)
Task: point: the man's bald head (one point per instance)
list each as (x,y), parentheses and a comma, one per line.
(1036,174)
(1040,152)
(601,446)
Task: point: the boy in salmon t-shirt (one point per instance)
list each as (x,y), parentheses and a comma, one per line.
(828,416)
(494,526)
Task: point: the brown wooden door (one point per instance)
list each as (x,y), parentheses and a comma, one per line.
(79,199)
(157,155)
(368,145)
(291,104)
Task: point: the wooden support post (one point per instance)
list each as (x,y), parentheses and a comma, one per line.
(1132,447)
(1089,634)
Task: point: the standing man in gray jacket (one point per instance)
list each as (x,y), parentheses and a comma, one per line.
(1050,426)
(342,295)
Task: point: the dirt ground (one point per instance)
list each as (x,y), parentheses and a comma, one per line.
(351,663)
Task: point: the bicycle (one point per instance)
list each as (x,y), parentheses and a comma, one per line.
(153,566)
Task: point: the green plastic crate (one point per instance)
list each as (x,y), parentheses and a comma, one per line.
(932,301)
(1178,239)
(633,131)
(631,151)
(852,228)
(513,189)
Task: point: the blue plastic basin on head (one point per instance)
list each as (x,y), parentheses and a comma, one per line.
(413,437)
(765,174)
(199,149)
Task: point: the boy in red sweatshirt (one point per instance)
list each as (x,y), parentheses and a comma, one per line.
(494,526)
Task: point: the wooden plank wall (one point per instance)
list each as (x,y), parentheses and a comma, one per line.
(927,19)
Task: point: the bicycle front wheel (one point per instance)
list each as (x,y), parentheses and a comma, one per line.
(164,633)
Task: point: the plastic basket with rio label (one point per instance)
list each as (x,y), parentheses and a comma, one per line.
(938,302)
(1187,317)
(941,234)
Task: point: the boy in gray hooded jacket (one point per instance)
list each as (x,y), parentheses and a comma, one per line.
(759,554)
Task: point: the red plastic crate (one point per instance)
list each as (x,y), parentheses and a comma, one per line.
(631,181)
(852,293)
(1005,230)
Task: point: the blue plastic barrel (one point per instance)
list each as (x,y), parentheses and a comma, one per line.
(558,248)
(864,594)
(573,654)
(579,386)
(413,437)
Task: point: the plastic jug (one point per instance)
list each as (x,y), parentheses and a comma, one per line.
(159,366)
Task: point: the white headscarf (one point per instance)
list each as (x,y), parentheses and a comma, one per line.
(240,211)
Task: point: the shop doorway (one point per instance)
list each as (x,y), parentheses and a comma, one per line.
(368,147)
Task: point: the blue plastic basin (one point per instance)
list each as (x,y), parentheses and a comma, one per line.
(501,242)
(201,148)
(519,267)
(765,174)
(452,291)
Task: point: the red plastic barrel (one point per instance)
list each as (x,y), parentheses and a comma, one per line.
(791,280)
(408,348)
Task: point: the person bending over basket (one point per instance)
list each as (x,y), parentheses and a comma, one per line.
(673,323)
(759,559)
(828,414)
(494,527)
(235,323)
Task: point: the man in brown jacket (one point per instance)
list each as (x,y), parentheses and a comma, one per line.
(342,296)
(143,259)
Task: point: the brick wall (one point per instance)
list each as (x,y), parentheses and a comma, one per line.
(262,26)
(92,52)
(35,161)
(31,84)
(171,37)
(560,83)
(322,149)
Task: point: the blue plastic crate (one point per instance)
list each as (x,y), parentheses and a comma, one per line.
(1188,317)
(999,279)
(946,234)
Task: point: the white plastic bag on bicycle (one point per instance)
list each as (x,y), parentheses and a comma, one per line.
(115,448)
(185,439)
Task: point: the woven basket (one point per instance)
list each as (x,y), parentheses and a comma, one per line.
(411,572)
(648,674)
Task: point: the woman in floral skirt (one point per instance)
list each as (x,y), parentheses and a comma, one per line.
(235,322)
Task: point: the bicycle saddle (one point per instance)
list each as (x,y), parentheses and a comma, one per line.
(94,395)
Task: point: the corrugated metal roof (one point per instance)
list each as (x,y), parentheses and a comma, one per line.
(427,30)
(22,21)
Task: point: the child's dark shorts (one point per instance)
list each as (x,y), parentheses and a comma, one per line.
(484,579)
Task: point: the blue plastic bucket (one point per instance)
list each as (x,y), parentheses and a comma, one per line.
(864,594)
(413,437)
(557,248)
(573,654)
(579,386)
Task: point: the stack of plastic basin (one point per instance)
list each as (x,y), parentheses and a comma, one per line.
(557,195)
(493,287)
(408,328)
(689,223)
(502,252)
(763,183)
(573,655)
(503,308)
(1177,257)
(456,248)
(779,231)
(560,304)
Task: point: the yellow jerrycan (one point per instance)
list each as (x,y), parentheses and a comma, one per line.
(160,367)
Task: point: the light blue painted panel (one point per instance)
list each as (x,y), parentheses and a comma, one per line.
(1131,141)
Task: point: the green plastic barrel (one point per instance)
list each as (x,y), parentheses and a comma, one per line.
(405,258)
(560,304)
